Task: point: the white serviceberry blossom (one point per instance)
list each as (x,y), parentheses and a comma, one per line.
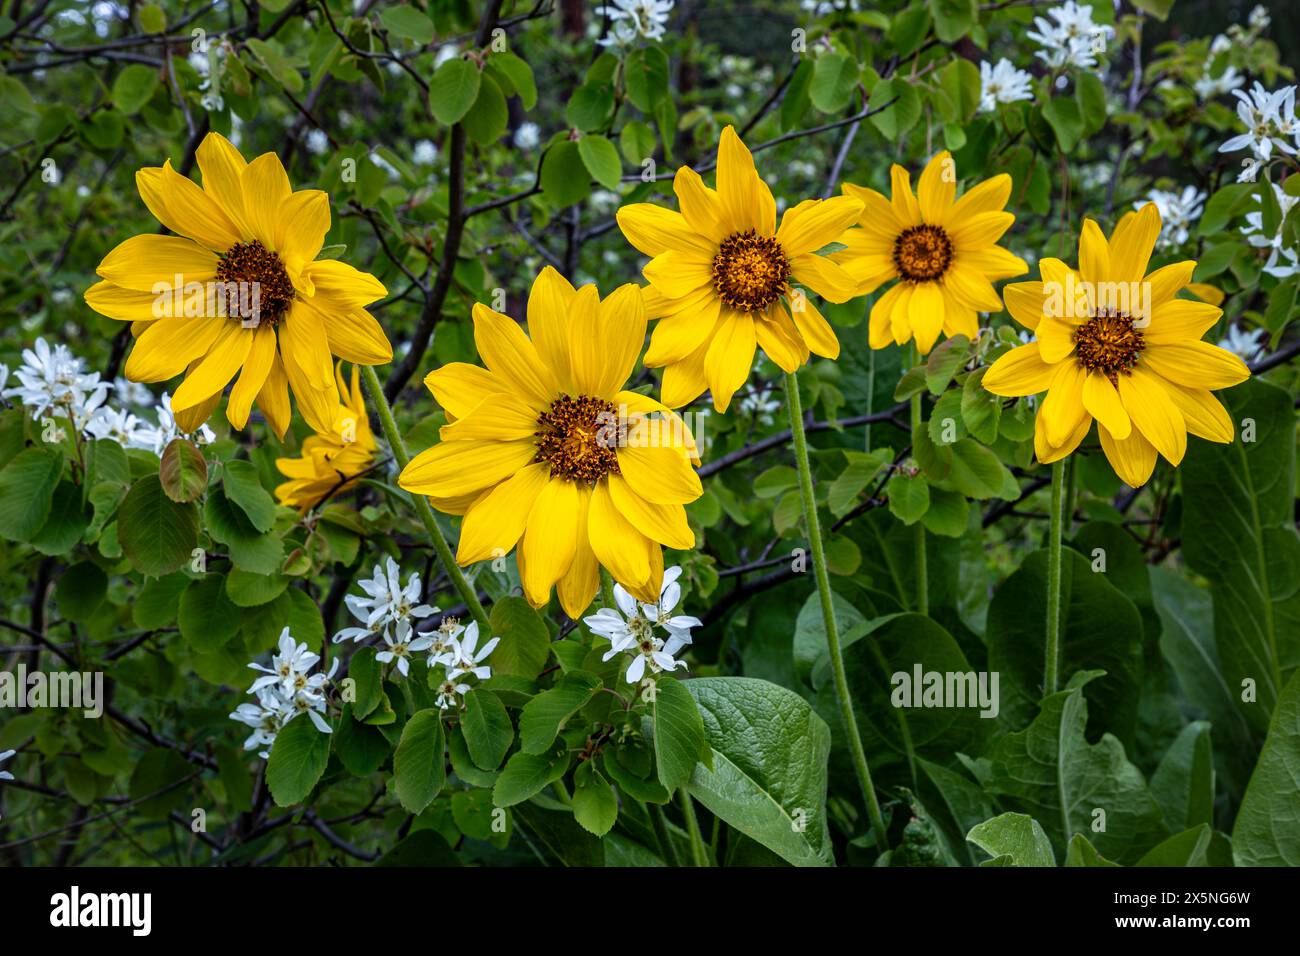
(761,405)
(1246,344)
(317,142)
(386,602)
(54,381)
(448,51)
(631,20)
(1259,20)
(1257,237)
(288,668)
(1178,213)
(286,691)
(450,692)
(119,425)
(157,439)
(4,774)
(1003,83)
(445,646)
(1269,117)
(425,153)
(527,136)
(127,392)
(1073,40)
(400,644)
(1208,87)
(467,657)
(266,717)
(4,376)
(632,628)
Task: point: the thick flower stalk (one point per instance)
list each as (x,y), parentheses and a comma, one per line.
(548,451)
(940,252)
(1115,343)
(238,293)
(724,279)
(330,461)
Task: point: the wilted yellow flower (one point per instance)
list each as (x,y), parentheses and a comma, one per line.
(721,277)
(1115,343)
(330,461)
(545,449)
(943,251)
(239,291)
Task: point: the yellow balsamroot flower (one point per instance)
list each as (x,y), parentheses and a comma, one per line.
(721,276)
(238,291)
(1114,343)
(942,250)
(545,449)
(330,461)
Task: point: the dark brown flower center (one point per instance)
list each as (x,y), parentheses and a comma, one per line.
(922,253)
(577,438)
(255,287)
(1108,343)
(750,271)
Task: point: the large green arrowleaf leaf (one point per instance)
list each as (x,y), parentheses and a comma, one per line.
(1052,773)
(1100,629)
(1238,531)
(1013,839)
(1267,831)
(769,766)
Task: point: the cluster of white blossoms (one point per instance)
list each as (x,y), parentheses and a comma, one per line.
(1070,39)
(54,381)
(1003,83)
(633,20)
(632,628)
(1178,213)
(1270,121)
(385,605)
(391,609)
(760,405)
(287,690)
(1230,78)
(1282,261)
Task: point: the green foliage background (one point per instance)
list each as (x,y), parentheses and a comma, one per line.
(1198,594)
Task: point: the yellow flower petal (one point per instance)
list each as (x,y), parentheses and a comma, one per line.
(1021,371)
(699,204)
(1024,300)
(877,216)
(676,274)
(257,366)
(937,188)
(983,229)
(495,522)
(222,167)
(502,417)
(550,538)
(265,186)
(678,335)
(880,331)
(356,336)
(165,349)
(1153,413)
(1131,244)
(828,280)
(617,545)
(738,186)
(1133,458)
(654,230)
(1195,364)
(184,208)
(1180,320)
(778,337)
(663,523)
(150,263)
(508,353)
(989,196)
(1165,282)
(303,219)
(816,332)
(1055,339)
(218,367)
(548,323)
(273,399)
(454,468)
(659,474)
(1103,403)
(341,288)
(1094,254)
(1203,414)
(1062,409)
(730,356)
(578,587)
(685,381)
(906,209)
(925,314)
(816,223)
(459,387)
